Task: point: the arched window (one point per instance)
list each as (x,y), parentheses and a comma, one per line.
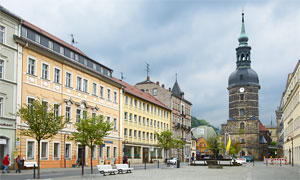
(243,57)
(242,112)
(241,97)
(242,125)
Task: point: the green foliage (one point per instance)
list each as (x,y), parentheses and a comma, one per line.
(178,144)
(273,143)
(235,148)
(201,122)
(42,123)
(90,132)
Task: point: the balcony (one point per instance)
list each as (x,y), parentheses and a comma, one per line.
(177,125)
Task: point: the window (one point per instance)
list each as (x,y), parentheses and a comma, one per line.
(143,120)
(151,109)
(68,151)
(79,80)
(31,66)
(1,106)
(115,97)
(130,132)
(61,50)
(151,122)
(78,113)
(148,135)
(115,124)
(37,38)
(108,94)
(151,136)
(101,91)
(134,133)
(242,97)
(143,135)
(85,86)
(147,121)
(56,110)
(115,152)
(68,79)
(56,75)
(30,150)
(144,106)
(154,92)
(147,107)
(50,44)
(45,104)
(125,131)
(30,102)
(56,151)
(44,150)
(94,115)
(130,116)
(2,30)
(135,118)
(107,152)
(125,115)
(139,134)
(140,119)
(1,69)
(126,100)
(94,89)
(242,112)
(84,114)
(68,113)
(242,125)
(140,105)
(135,103)
(45,71)
(130,101)
(154,123)
(101,152)
(157,124)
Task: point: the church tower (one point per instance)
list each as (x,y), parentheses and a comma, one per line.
(243,124)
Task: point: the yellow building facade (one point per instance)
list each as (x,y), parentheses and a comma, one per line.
(63,77)
(143,115)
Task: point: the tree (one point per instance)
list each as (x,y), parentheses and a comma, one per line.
(235,148)
(178,144)
(165,141)
(213,145)
(42,123)
(90,132)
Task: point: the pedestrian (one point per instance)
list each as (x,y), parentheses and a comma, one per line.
(5,163)
(19,163)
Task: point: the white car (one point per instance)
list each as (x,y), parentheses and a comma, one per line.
(239,161)
(172,160)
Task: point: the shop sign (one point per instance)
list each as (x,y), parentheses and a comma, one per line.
(6,125)
(18,141)
(2,141)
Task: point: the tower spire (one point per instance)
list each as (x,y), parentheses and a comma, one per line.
(243,39)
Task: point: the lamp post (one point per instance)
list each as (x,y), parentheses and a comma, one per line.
(290,138)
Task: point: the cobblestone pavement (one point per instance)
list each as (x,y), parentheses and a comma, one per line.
(245,172)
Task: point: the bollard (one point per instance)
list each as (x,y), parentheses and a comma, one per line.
(157,163)
(280,161)
(33,171)
(145,164)
(267,162)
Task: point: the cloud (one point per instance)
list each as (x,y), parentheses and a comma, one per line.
(196,39)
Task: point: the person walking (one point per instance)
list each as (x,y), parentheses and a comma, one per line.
(19,163)
(5,163)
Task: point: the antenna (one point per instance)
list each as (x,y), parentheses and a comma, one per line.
(122,76)
(73,40)
(147,69)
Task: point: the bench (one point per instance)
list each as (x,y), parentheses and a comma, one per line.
(123,168)
(106,169)
(30,164)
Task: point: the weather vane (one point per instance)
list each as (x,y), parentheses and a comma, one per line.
(73,40)
(147,69)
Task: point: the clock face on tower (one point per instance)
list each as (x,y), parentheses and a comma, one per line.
(242,89)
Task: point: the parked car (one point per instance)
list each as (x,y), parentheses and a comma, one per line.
(241,160)
(248,158)
(172,160)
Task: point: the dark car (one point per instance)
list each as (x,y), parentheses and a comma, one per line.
(248,158)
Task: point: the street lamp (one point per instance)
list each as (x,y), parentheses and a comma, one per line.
(290,138)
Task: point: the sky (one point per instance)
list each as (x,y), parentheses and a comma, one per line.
(195,39)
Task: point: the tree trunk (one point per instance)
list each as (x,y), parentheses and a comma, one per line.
(82,160)
(91,159)
(39,158)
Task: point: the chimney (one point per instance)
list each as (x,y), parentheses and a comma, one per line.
(163,86)
(169,89)
(157,82)
(148,78)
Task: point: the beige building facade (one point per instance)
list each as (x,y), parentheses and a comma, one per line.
(291,116)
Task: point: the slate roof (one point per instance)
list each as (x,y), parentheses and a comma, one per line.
(262,140)
(137,92)
(176,89)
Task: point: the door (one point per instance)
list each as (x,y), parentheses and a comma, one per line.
(79,155)
(145,155)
